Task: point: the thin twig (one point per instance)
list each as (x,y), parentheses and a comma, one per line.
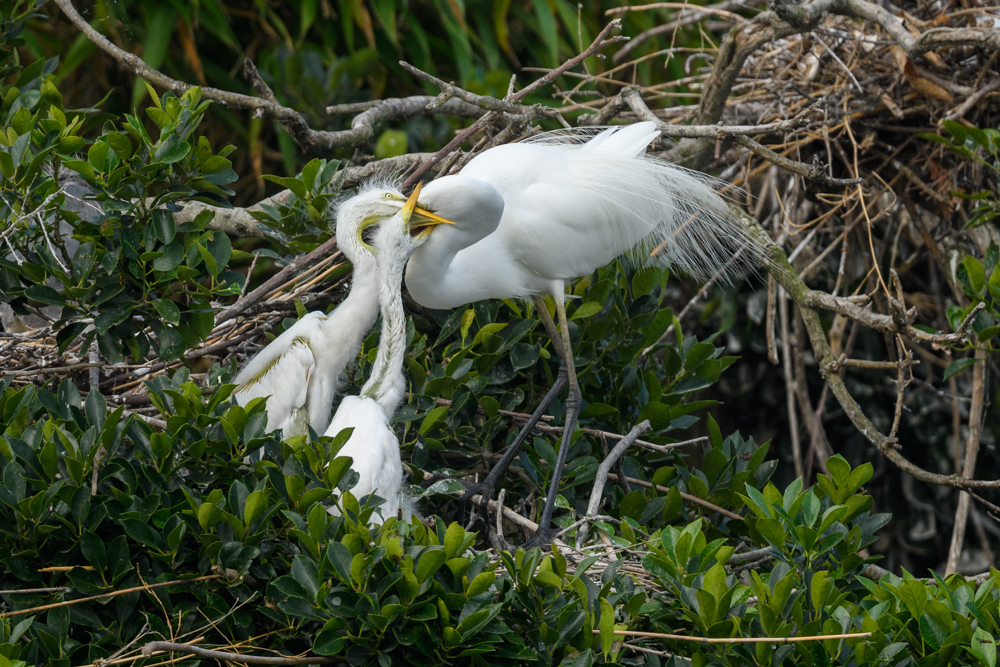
(736,640)
(135,589)
(602,474)
(971,451)
(172,647)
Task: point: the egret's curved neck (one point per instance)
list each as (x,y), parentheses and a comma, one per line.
(356,314)
(433,277)
(386,384)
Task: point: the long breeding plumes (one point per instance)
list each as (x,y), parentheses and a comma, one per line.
(652,210)
(535,214)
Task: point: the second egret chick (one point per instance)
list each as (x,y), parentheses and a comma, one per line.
(373,445)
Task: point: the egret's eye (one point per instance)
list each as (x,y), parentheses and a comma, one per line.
(387,195)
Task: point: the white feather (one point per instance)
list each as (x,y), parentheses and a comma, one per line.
(533,215)
(373,446)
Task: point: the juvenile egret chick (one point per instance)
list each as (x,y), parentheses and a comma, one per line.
(299,369)
(529,217)
(373,445)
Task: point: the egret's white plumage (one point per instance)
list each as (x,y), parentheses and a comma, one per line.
(533,215)
(299,370)
(373,445)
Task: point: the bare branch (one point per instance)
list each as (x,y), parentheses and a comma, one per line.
(485,102)
(599,43)
(221,656)
(602,475)
(807,300)
(971,452)
(633,99)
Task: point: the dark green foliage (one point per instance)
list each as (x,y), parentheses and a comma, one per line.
(122,272)
(979,147)
(123,265)
(180,503)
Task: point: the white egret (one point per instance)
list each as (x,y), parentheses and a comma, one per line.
(299,369)
(373,445)
(532,216)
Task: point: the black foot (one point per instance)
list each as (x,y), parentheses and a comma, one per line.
(542,539)
(485,489)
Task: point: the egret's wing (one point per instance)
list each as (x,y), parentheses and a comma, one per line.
(307,328)
(282,371)
(622,139)
(569,209)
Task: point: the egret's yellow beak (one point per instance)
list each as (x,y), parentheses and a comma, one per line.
(421,216)
(411,204)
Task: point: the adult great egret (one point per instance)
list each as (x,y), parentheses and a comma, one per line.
(299,369)
(373,445)
(532,216)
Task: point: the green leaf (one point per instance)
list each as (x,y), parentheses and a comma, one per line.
(83,260)
(429,563)
(172,150)
(112,315)
(331,639)
(79,166)
(44,294)
(913,595)
(587,309)
(984,647)
(97,155)
(305,573)
(821,586)
(454,537)
(209,259)
(932,632)
(172,257)
(607,627)
(772,531)
(977,276)
(432,418)
(168,310)
(163,225)
(254,507)
(221,248)
(958,365)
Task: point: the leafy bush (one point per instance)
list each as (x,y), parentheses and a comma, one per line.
(126,269)
(85,486)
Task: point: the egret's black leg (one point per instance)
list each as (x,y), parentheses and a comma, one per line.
(487,487)
(543,536)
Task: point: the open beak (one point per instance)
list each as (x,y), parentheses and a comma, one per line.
(411,204)
(421,217)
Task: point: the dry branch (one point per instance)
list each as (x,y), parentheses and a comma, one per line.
(971,452)
(807,300)
(602,475)
(222,656)
(601,41)
(736,640)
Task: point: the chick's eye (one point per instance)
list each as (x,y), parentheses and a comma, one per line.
(387,195)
